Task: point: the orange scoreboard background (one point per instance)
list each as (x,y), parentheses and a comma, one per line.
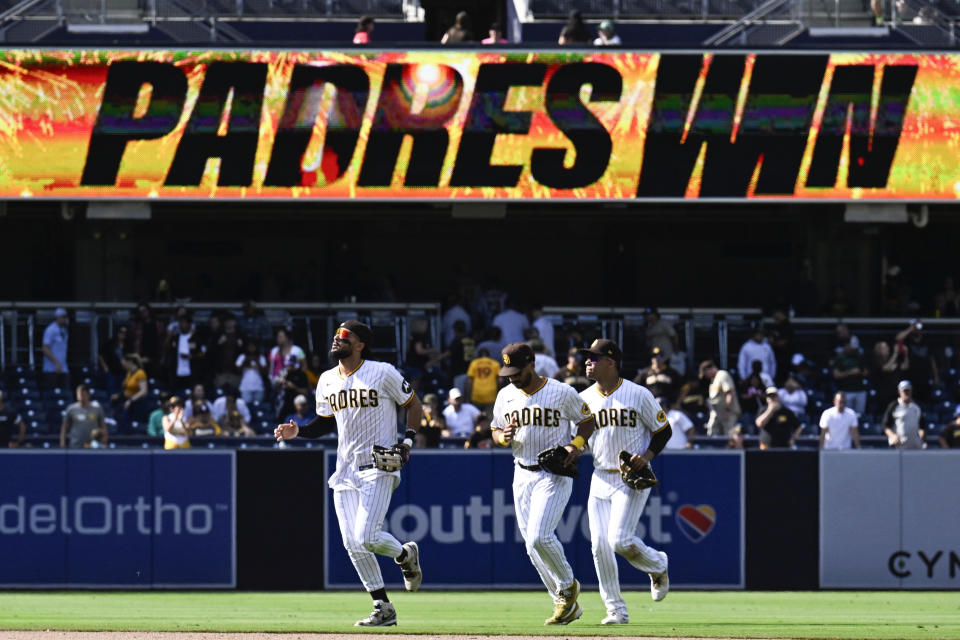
(490,124)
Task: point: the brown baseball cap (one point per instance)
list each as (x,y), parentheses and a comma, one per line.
(604,347)
(515,356)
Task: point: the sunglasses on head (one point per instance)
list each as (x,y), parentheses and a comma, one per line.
(343,334)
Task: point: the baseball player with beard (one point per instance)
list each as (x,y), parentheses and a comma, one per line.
(532,414)
(629,419)
(359,398)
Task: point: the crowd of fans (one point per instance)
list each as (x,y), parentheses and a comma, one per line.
(237,375)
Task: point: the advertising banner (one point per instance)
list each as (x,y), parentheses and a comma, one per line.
(117,519)
(440,125)
(458,507)
(889,519)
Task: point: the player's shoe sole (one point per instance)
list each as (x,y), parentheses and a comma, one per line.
(574,614)
(410,567)
(660,582)
(384,615)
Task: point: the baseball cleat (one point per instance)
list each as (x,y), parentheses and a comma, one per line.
(410,567)
(383,615)
(616,618)
(660,582)
(558,618)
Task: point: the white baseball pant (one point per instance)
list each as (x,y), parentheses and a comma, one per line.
(539,498)
(614,511)
(360,513)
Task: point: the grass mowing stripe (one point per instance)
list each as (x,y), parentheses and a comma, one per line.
(741,614)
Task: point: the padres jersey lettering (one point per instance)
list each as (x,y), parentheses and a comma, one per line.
(364,403)
(538,415)
(628,405)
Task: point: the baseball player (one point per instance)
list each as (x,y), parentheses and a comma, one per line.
(359,398)
(629,419)
(531,414)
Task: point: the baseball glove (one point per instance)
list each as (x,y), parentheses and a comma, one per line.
(554,461)
(639,479)
(391,459)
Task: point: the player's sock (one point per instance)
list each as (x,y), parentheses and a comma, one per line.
(380,594)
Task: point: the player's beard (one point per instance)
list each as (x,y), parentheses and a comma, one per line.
(524,380)
(341,351)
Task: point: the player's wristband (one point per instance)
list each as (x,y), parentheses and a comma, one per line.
(500,439)
(578,443)
(409,437)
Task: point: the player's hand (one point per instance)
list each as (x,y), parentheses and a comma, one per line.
(287,431)
(509,431)
(572,454)
(637,462)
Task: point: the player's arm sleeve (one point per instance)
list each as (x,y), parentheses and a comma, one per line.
(496,420)
(397,387)
(655,419)
(574,408)
(324,410)
(319,426)
(660,439)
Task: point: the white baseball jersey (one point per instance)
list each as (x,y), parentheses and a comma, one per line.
(364,402)
(626,417)
(543,417)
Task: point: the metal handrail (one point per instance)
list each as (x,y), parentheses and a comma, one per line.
(742,23)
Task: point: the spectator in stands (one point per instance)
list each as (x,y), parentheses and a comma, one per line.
(845,338)
(111,353)
(423,359)
(575,32)
(455,311)
(280,354)
(494,35)
(301,415)
(149,336)
(753,389)
(155,421)
(838,425)
(361,34)
(946,304)
(659,333)
(132,398)
(202,423)
(462,350)
(922,368)
(432,424)
(544,326)
(607,35)
(80,420)
(209,337)
(198,397)
(460,31)
(55,339)
(660,378)
(722,396)
(903,420)
(494,342)
(11,424)
(849,375)
(793,396)
(176,435)
(458,415)
(681,437)
(544,365)
(315,366)
(780,336)
(227,348)
(757,348)
(512,324)
(483,381)
(573,373)
(228,404)
(692,398)
(291,383)
(482,436)
(253,324)
(778,425)
(950,434)
(888,367)
(183,345)
(253,371)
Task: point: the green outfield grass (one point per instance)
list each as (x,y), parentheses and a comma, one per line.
(727,614)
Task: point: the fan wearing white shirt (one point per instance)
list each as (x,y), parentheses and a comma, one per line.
(838,425)
(460,416)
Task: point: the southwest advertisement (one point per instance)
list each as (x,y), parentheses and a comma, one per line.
(459,510)
(432,125)
(117,519)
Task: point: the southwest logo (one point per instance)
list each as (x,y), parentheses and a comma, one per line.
(696,522)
